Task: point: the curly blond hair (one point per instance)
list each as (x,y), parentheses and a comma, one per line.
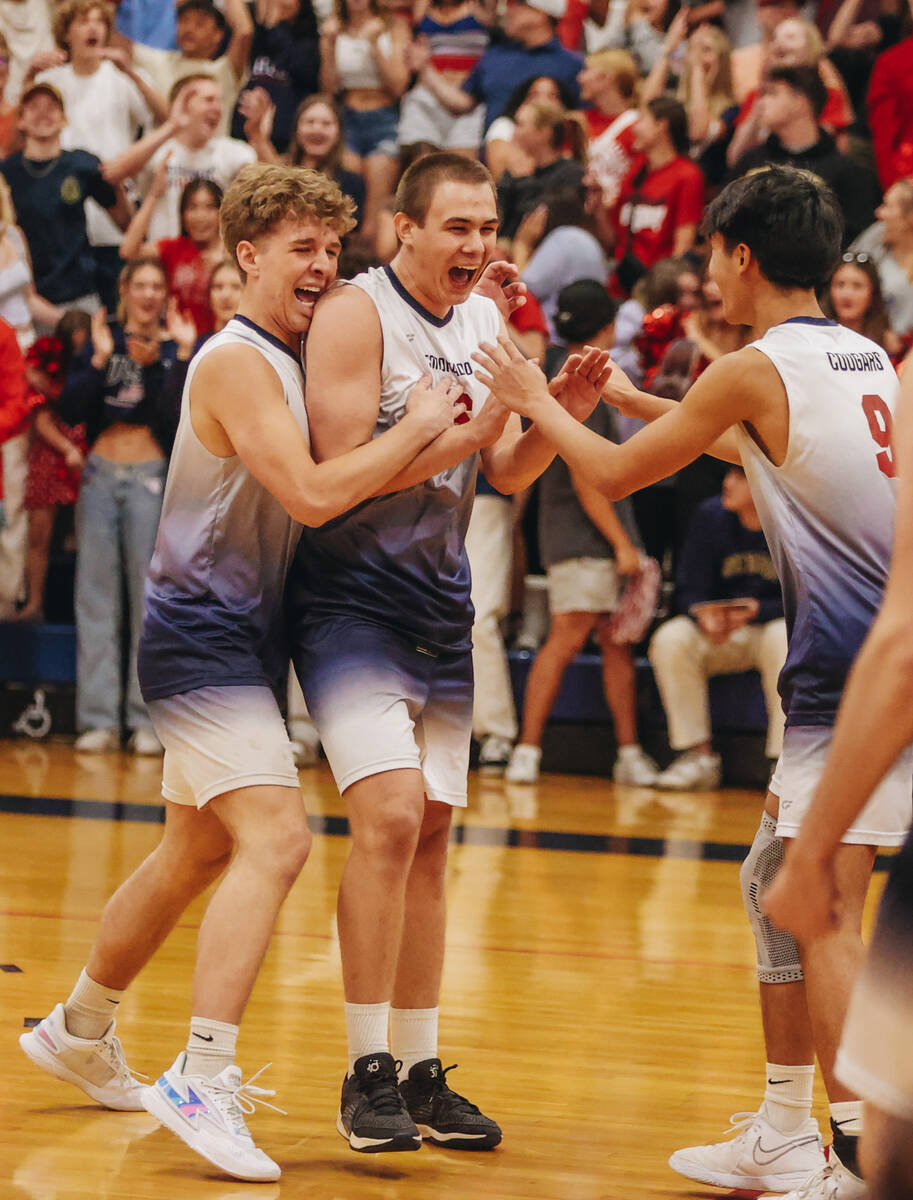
(67,12)
(261,195)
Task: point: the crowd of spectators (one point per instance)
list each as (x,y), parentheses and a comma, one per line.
(607,125)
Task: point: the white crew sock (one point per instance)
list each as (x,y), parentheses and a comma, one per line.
(413,1036)
(788,1095)
(211,1047)
(847,1116)
(91,1008)
(366,1030)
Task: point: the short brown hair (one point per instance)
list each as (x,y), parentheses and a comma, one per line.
(261,195)
(417,186)
(69,10)
(186,80)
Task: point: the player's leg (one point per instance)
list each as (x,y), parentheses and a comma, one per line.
(233,747)
(385,819)
(832,963)
(442,732)
(77,1042)
(779,1146)
(199,1097)
(567,636)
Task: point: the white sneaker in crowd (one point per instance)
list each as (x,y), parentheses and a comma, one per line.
(98,1068)
(758,1158)
(692,771)
(208,1115)
(494,753)
(634,767)
(832,1182)
(524,764)
(97,741)
(143,741)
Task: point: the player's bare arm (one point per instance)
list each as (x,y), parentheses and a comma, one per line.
(630,401)
(874,725)
(344,355)
(266,437)
(742,387)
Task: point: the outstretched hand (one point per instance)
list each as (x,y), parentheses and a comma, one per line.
(514,381)
(578,385)
(499,282)
(804,897)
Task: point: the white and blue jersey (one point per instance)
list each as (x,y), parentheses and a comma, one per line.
(224,545)
(828,510)
(400,560)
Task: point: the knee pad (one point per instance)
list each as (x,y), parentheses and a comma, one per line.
(778,953)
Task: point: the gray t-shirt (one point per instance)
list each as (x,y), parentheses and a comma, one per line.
(565,531)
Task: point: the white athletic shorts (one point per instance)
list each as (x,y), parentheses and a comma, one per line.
(422,118)
(884,821)
(590,585)
(876,1054)
(382,703)
(218,739)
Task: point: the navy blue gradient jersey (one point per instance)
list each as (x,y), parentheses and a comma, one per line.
(214,591)
(828,509)
(399,560)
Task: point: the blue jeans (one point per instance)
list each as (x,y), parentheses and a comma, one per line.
(117,519)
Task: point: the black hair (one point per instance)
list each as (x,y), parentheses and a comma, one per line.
(806,80)
(584,308)
(201,6)
(788,218)
(518,95)
(672,111)
(190,190)
(566,206)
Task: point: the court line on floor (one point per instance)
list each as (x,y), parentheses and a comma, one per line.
(535,951)
(462,835)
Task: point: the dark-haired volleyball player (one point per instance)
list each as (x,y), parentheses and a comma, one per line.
(808,410)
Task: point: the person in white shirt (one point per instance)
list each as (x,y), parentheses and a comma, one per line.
(108,102)
(200,28)
(192,147)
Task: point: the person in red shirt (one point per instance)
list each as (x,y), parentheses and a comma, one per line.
(189,259)
(661,201)
(14,408)
(890,111)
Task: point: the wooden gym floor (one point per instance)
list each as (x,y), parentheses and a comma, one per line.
(599,993)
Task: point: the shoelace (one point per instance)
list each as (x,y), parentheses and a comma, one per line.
(741,1120)
(383,1092)
(820,1186)
(440,1084)
(113,1054)
(234,1102)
